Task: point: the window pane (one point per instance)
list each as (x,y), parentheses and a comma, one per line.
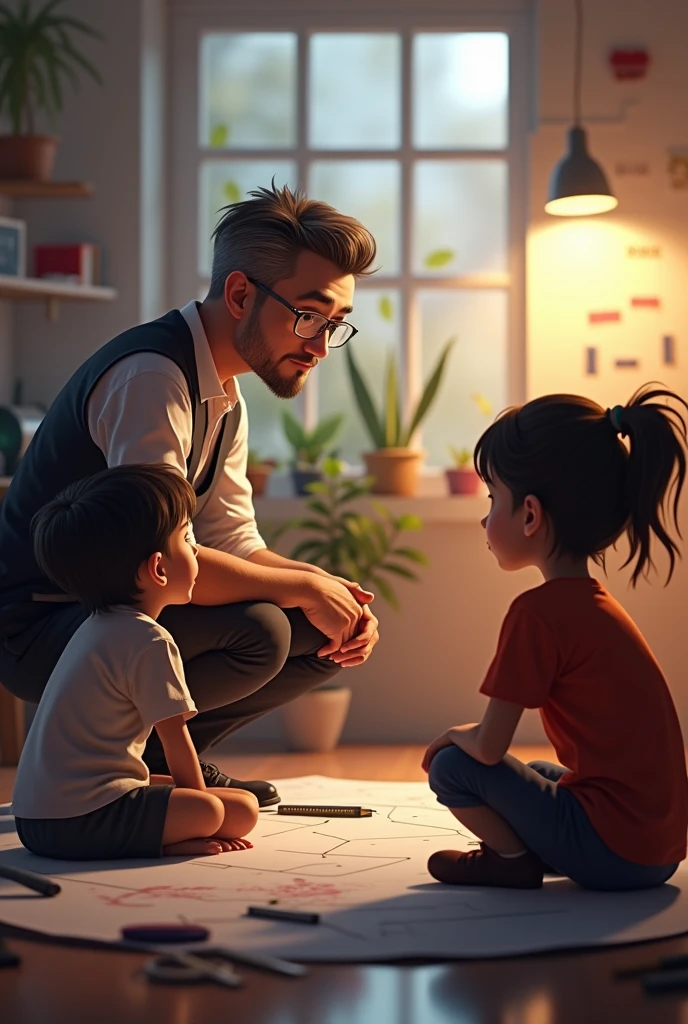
(228,181)
(248,90)
(355,91)
(368,190)
(460,217)
(265,431)
(377,315)
(460,90)
(473,389)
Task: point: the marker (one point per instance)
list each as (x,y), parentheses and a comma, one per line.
(165,933)
(32,881)
(272,913)
(315,810)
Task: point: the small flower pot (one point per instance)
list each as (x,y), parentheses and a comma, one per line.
(302,477)
(463,481)
(28,157)
(258,477)
(314,721)
(395,470)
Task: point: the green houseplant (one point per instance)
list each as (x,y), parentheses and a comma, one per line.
(393,464)
(462,477)
(36,56)
(360,547)
(308,446)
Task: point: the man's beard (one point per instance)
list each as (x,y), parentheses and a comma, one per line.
(252,348)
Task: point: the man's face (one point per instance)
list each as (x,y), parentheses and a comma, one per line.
(267,343)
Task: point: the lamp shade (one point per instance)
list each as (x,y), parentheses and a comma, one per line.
(578,186)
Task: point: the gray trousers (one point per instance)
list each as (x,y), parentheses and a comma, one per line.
(240,660)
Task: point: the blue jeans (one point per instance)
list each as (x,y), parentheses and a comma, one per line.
(546,816)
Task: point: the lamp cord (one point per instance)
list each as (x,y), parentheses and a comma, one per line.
(578,64)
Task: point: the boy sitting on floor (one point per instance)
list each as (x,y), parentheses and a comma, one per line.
(120,542)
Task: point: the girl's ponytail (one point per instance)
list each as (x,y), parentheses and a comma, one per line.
(655,474)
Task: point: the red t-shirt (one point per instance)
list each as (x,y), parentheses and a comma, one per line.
(568,648)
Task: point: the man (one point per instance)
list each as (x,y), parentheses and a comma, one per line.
(262,629)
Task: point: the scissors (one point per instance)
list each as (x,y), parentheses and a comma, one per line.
(184,968)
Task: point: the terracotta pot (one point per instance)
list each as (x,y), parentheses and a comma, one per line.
(258,477)
(463,481)
(395,470)
(27,156)
(315,720)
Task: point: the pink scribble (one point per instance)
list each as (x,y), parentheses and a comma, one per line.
(204,893)
(298,887)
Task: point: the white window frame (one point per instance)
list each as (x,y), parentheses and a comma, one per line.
(191,20)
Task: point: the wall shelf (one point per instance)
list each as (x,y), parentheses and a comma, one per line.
(27,189)
(28,289)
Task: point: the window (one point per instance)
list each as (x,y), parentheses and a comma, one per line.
(416,130)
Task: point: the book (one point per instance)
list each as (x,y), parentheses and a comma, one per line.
(74,264)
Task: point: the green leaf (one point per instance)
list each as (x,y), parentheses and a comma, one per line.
(332,468)
(326,431)
(439,258)
(399,570)
(318,506)
(392,418)
(231,191)
(385,590)
(293,430)
(410,522)
(419,557)
(385,308)
(429,392)
(365,402)
(219,136)
(308,549)
(317,487)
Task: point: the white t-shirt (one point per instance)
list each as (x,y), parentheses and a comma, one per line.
(120,673)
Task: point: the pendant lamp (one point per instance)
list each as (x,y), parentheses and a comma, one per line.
(578,186)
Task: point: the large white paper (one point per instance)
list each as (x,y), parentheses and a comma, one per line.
(366,877)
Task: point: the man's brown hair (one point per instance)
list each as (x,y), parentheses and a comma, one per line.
(263,236)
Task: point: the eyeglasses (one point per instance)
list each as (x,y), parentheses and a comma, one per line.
(311,325)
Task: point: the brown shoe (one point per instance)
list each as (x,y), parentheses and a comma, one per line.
(485,867)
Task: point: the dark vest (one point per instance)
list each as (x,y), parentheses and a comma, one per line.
(62,450)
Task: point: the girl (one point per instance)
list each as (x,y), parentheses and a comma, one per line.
(120,544)
(564,487)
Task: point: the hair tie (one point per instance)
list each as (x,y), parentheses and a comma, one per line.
(615,415)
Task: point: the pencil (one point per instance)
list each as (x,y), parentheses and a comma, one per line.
(316,810)
(298,916)
(32,881)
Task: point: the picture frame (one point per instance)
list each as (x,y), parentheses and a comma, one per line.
(12,247)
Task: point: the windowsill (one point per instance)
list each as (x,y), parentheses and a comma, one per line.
(459,508)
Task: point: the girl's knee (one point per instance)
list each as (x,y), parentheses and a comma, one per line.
(446,766)
(214,810)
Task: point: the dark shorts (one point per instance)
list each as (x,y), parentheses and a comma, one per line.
(131,826)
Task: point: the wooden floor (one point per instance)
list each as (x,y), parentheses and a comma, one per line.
(66,985)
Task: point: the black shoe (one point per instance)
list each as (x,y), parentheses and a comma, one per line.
(265,792)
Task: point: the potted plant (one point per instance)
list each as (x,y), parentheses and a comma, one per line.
(359,547)
(309,447)
(394,465)
(36,54)
(258,471)
(462,479)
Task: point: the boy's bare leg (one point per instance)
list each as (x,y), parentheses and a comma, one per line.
(206,823)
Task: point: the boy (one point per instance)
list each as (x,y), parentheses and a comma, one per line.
(120,542)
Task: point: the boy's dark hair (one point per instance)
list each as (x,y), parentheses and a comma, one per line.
(92,538)
(566,451)
(264,235)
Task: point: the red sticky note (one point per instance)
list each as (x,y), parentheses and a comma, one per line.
(611,316)
(650,302)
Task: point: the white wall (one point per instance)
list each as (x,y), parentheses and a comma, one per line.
(427,669)
(99,132)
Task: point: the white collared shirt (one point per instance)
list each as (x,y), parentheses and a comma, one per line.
(141,411)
